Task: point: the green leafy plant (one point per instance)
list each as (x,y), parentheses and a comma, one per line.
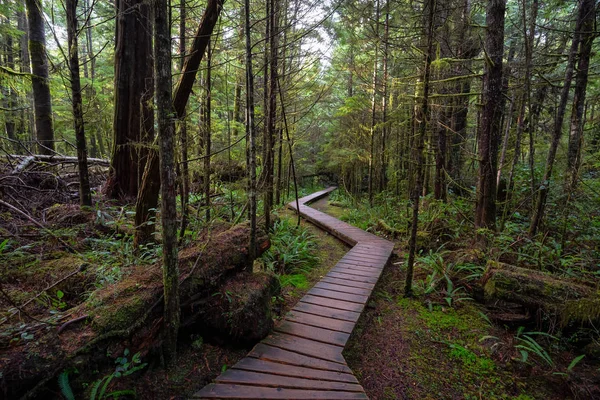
(528,345)
(293,249)
(65,387)
(124,367)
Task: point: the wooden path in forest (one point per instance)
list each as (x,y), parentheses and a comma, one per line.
(302,358)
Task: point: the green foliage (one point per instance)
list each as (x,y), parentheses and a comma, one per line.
(124,367)
(293,249)
(65,387)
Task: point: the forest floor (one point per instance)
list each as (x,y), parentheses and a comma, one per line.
(421,348)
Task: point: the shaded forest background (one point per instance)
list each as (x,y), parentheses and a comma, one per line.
(449,125)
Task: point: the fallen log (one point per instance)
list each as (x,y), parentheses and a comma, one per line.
(566,300)
(128,314)
(26,161)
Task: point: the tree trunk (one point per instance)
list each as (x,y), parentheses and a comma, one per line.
(272,111)
(207,130)
(183,135)
(371,188)
(10,116)
(148,196)
(581,79)
(85,196)
(133,127)
(421,117)
(39,80)
(385,128)
(485,212)
(166,134)
(585,7)
(250,133)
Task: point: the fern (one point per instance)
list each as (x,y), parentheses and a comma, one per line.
(65,387)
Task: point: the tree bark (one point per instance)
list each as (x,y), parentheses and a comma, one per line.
(148,196)
(577,112)
(371,187)
(485,212)
(40,80)
(85,195)
(166,134)
(271,111)
(207,130)
(183,135)
(558,121)
(250,133)
(421,117)
(133,128)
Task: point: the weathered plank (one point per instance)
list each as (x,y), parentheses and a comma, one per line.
(275,368)
(313,333)
(318,321)
(265,352)
(232,391)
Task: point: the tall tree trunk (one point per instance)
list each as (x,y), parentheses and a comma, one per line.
(421,117)
(27,129)
(371,188)
(385,129)
(10,116)
(40,81)
(585,7)
(183,135)
(271,111)
(577,112)
(166,134)
(250,133)
(485,211)
(85,196)
(207,130)
(133,126)
(148,196)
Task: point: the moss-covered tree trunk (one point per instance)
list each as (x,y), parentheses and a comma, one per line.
(148,194)
(166,134)
(40,81)
(85,196)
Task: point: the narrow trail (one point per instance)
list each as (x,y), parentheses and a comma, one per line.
(302,358)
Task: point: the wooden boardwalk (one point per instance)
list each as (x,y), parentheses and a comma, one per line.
(302,358)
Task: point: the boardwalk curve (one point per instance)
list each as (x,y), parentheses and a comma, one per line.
(302,358)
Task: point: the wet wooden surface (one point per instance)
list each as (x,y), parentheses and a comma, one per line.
(302,357)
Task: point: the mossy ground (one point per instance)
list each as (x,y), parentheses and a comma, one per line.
(406,349)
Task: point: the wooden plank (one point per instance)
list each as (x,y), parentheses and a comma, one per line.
(275,354)
(362,261)
(339,275)
(348,264)
(237,376)
(343,289)
(356,272)
(334,313)
(258,365)
(318,321)
(366,258)
(381,260)
(313,333)
(232,391)
(343,282)
(354,298)
(331,303)
(306,347)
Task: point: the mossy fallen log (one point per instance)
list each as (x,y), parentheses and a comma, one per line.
(128,314)
(569,301)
